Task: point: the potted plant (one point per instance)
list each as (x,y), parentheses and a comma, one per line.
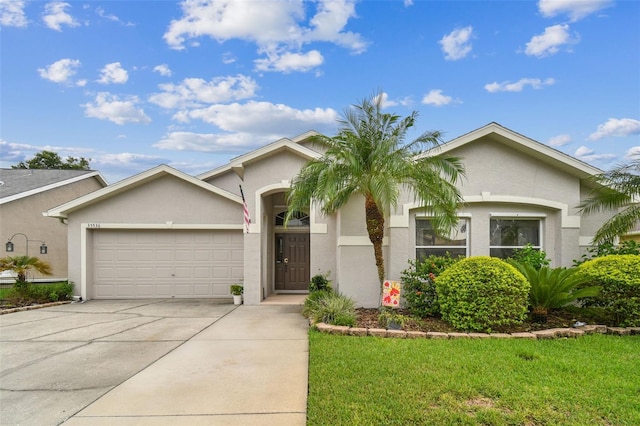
(392,320)
(236,291)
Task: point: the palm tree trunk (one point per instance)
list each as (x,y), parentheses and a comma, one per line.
(375,228)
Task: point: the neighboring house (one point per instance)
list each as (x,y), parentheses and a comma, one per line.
(24,195)
(163,233)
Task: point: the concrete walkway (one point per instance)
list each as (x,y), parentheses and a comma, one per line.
(168,362)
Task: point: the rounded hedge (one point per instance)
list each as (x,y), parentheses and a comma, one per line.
(482,294)
(619,277)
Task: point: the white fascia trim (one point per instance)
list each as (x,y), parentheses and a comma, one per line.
(123,185)
(238,163)
(517,138)
(166,225)
(358,241)
(49,187)
(567,221)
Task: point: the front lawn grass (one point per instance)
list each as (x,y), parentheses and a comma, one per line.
(591,380)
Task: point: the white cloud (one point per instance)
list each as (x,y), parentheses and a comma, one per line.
(275,27)
(127,160)
(228,58)
(408,3)
(549,42)
(110,107)
(518,86)
(560,140)
(113,73)
(456,45)
(12,13)
(211,142)
(633,153)
(193,92)
(163,70)
(436,98)
(55,16)
(263,118)
(60,71)
(575,9)
(616,127)
(288,61)
(111,17)
(588,155)
(388,103)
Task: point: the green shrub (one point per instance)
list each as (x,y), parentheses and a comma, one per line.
(606,249)
(418,284)
(23,293)
(482,294)
(619,277)
(529,255)
(320,282)
(553,288)
(330,308)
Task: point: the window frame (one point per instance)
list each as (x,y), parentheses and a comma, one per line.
(466,246)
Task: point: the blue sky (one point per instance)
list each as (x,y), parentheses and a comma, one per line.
(192,84)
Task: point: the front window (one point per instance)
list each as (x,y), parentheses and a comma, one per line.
(510,234)
(428,243)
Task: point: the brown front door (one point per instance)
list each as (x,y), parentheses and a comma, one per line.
(292,261)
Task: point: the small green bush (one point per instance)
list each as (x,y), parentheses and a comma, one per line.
(330,308)
(418,284)
(482,294)
(619,277)
(529,255)
(320,282)
(553,288)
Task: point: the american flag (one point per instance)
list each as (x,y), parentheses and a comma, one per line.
(247,218)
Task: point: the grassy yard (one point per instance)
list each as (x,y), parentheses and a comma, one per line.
(592,380)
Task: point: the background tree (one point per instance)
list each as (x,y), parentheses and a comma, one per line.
(369,157)
(617,190)
(51,160)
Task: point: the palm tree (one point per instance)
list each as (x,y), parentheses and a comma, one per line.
(23,264)
(369,157)
(618,190)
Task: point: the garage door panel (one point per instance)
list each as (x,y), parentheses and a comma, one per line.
(165,264)
(164,255)
(202,255)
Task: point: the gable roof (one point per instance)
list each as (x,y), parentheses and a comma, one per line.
(20,183)
(508,137)
(238,164)
(132,182)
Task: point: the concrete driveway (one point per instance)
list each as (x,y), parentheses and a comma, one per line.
(154,362)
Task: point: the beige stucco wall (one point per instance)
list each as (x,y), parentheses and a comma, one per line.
(228,180)
(25,216)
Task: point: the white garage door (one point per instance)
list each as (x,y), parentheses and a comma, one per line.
(165,264)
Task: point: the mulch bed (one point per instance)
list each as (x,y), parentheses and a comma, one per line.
(368,318)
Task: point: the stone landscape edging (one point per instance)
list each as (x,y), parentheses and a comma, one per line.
(552,333)
(32,307)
